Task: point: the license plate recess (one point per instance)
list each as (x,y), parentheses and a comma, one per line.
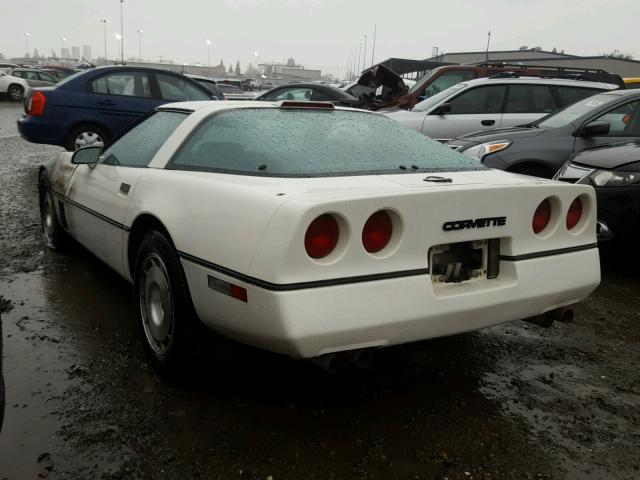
(464,261)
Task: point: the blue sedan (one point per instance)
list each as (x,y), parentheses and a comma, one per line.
(93,106)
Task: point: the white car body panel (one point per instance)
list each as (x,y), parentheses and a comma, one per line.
(6,80)
(249,231)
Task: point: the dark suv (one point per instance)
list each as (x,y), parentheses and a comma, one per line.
(93,106)
(543,146)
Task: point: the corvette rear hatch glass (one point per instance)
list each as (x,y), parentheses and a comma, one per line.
(310,143)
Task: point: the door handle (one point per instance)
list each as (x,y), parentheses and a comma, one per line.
(488,123)
(106,102)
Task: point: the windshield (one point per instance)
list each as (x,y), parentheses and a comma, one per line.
(421,81)
(437,98)
(572,112)
(311,143)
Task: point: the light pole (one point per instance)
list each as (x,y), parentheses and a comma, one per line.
(119,39)
(121,32)
(63,44)
(373,50)
(104,22)
(257,55)
(26,39)
(359,54)
(139,44)
(208,42)
(364,55)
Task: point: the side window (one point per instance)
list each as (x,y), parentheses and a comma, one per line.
(46,77)
(31,75)
(298,94)
(570,95)
(179,89)
(530,99)
(132,84)
(18,74)
(624,120)
(319,96)
(137,147)
(448,79)
(479,100)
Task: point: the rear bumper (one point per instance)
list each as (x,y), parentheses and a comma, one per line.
(314,321)
(37,130)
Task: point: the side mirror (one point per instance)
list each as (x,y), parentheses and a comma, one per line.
(442,109)
(594,129)
(86,156)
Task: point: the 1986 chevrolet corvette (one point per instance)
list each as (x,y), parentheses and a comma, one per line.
(308,229)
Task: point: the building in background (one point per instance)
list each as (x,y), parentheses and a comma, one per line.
(75,52)
(86,52)
(536,56)
(64,53)
(289,72)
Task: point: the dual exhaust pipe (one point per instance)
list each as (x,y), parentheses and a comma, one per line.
(546,320)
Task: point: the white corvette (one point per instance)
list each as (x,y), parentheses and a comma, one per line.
(306,229)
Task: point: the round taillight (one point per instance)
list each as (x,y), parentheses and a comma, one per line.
(377,232)
(541,216)
(322,236)
(574,214)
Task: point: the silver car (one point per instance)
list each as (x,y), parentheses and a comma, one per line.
(34,77)
(495,102)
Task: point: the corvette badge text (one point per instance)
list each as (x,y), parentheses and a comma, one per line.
(477,223)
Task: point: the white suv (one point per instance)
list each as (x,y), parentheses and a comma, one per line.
(13,87)
(495,102)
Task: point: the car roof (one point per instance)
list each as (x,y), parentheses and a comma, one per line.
(205,106)
(199,77)
(534,80)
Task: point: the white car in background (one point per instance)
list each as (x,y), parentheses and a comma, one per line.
(495,102)
(13,87)
(308,229)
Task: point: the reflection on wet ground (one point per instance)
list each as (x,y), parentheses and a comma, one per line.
(509,402)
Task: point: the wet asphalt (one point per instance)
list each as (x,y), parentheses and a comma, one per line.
(509,402)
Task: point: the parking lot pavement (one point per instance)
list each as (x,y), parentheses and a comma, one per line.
(9,113)
(511,402)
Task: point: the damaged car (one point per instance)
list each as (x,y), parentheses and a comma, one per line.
(378,87)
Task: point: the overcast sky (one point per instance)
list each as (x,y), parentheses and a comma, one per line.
(319,33)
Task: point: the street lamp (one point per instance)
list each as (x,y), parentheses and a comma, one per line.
(208,42)
(364,55)
(119,39)
(63,44)
(140,44)
(121,32)
(26,39)
(104,22)
(257,55)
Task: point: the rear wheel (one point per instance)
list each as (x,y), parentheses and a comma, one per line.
(15,92)
(164,310)
(55,237)
(86,136)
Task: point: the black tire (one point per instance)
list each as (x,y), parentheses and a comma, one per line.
(55,237)
(532,170)
(15,92)
(89,132)
(160,290)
